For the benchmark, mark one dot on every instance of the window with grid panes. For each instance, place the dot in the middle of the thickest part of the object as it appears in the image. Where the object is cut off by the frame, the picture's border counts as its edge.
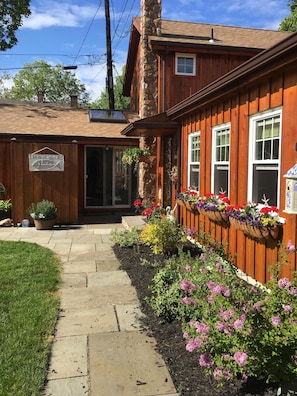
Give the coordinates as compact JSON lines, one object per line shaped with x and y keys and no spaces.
{"x":194,"y":161}
{"x":185,"y":64}
{"x":220,"y":159}
{"x":265,"y":132}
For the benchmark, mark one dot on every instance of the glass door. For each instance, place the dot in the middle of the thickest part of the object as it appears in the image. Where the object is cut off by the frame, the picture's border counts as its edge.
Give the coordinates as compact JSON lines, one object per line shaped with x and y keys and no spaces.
{"x":108,"y":180}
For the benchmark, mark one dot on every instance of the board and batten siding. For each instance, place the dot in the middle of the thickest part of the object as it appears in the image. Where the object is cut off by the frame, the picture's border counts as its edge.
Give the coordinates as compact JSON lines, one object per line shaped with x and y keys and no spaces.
{"x":25,"y":187}
{"x":279,"y":90}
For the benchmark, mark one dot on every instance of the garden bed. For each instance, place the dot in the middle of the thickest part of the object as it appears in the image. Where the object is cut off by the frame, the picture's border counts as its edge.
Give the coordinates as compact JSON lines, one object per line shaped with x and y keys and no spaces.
{"x":186,"y":373}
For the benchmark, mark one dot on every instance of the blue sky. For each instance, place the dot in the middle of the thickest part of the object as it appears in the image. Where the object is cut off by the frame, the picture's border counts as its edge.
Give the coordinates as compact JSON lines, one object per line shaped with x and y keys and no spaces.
{"x":72,"y":32}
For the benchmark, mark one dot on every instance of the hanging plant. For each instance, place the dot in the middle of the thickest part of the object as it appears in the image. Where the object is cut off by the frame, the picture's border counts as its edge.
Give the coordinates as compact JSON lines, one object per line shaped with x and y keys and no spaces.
{"x":134,"y":155}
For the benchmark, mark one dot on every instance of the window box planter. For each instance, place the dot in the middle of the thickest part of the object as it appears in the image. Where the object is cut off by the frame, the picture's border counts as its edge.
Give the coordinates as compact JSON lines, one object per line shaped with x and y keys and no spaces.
{"x":216,"y":216}
{"x":265,"y":235}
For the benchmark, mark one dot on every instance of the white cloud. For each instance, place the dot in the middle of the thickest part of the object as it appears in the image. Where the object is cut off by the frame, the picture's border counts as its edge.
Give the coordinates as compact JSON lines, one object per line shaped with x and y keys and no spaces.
{"x":63,"y":14}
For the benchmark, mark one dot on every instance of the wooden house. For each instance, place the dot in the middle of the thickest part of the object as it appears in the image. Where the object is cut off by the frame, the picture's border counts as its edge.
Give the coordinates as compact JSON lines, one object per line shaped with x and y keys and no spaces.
{"x":242,"y":129}
{"x":69,"y":155}
{"x":167,"y":62}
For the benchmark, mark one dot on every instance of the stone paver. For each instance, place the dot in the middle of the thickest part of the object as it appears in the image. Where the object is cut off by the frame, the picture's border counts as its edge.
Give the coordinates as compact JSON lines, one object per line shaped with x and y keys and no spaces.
{"x":135,"y":368}
{"x":77,"y":386}
{"x":93,"y":297}
{"x":69,"y":357}
{"x":88,"y":321}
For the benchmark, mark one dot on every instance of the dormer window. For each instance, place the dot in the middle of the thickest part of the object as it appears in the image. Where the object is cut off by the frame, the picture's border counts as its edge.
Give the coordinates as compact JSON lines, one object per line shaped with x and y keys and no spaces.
{"x":185,"y":64}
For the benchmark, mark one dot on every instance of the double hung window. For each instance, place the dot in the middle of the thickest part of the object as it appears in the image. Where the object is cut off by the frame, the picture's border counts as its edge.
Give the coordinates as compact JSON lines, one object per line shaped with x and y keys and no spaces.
{"x":194,"y":161}
{"x":264,"y":157}
{"x":220,"y":158}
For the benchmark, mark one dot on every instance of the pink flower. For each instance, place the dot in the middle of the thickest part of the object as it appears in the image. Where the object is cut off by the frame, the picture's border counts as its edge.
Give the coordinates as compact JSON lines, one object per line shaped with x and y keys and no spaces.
{"x":239,"y":323}
{"x":202,"y":328}
{"x":218,"y":373}
{"x":205,"y":360}
{"x":240,"y":358}
{"x":193,"y":344}
{"x":187,"y":286}
{"x":284,"y":283}
{"x":287,"y":308}
{"x":188,"y":268}
{"x":276,"y":320}
{"x":290,"y":248}
{"x":220,"y":326}
{"x":257,"y":305}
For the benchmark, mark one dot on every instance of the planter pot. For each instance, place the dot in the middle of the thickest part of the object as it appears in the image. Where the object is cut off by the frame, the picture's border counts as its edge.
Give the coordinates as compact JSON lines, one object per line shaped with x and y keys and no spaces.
{"x":287,"y":389}
{"x":5,"y":214}
{"x":181,"y":203}
{"x":45,"y":224}
{"x":266,"y":235}
{"x":189,"y":206}
{"x":216,"y":216}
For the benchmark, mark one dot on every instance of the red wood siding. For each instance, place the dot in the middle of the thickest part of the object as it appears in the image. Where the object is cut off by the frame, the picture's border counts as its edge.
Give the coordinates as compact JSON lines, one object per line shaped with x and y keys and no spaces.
{"x":59,"y":187}
{"x":209,"y":67}
{"x":277,"y":90}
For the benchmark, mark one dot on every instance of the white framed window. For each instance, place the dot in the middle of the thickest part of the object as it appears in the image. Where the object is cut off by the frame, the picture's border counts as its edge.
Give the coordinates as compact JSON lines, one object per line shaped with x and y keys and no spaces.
{"x":264,"y":157}
{"x":220,"y":158}
{"x":194,"y":160}
{"x":185,"y":64}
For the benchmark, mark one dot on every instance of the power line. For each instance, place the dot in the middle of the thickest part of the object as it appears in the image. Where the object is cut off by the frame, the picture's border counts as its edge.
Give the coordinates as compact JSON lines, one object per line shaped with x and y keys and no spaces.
{"x":89,"y":28}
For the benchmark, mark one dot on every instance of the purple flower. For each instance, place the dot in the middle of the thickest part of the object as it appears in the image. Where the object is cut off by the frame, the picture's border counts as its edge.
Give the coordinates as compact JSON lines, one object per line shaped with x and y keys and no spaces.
{"x":187,"y":300}
{"x":287,"y":308}
{"x":239,"y":323}
{"x":187,"y":286}
{"x":193,"y":344}
{"x":220,"y":326}
{"x":202,"y":328}
{"x":276,"y":320}
{"x":226,"y":315}
{"x":257,"y":305}
{"x":290,"y":248}
{"x":205,"y":360}
{"x":186,"y":335}
{"x":240,"y":358}
{"x":284,"y":283}
{"x":218,"y":373}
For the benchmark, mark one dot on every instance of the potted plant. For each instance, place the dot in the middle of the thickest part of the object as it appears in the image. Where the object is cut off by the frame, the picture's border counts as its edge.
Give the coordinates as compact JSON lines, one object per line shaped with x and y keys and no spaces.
{"x":5,"y":204}
{"x":134,"y":155}
{"x":43,"y":213}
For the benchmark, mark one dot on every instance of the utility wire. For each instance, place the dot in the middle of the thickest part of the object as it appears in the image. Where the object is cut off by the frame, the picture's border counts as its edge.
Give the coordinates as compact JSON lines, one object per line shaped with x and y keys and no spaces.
{"x":84,"y":39}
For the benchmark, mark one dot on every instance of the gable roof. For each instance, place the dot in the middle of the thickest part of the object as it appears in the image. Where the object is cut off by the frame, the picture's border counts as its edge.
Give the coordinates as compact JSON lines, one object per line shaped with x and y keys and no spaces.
{"x":200,"y":34}
{"x":42,"y":119}
{"x":191,"y":35}
{"x":266,"y":62}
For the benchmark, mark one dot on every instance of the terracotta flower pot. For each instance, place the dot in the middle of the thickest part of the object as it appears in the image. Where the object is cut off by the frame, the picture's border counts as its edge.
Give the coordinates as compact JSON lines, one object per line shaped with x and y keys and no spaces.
{"x":44,"y":224}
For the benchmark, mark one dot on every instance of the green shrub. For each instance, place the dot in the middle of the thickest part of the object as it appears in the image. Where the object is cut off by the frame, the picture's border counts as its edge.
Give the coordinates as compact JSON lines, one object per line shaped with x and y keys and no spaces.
{"x":162,"y":235}
{"x":125,"y":238}
{"x":167,"y":298}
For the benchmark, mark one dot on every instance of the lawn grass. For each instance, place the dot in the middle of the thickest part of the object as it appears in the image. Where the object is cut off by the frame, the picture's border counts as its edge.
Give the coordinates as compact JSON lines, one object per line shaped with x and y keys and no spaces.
{"x":30,"y":278}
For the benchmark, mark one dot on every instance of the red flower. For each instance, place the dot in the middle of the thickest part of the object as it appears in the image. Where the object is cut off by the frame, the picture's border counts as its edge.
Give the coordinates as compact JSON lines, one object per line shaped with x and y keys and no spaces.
{"x":138,"y":203}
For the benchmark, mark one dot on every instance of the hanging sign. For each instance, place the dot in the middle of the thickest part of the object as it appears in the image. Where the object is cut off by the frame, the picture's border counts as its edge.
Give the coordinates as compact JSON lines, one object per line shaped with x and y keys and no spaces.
{"x":46,"y":162}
